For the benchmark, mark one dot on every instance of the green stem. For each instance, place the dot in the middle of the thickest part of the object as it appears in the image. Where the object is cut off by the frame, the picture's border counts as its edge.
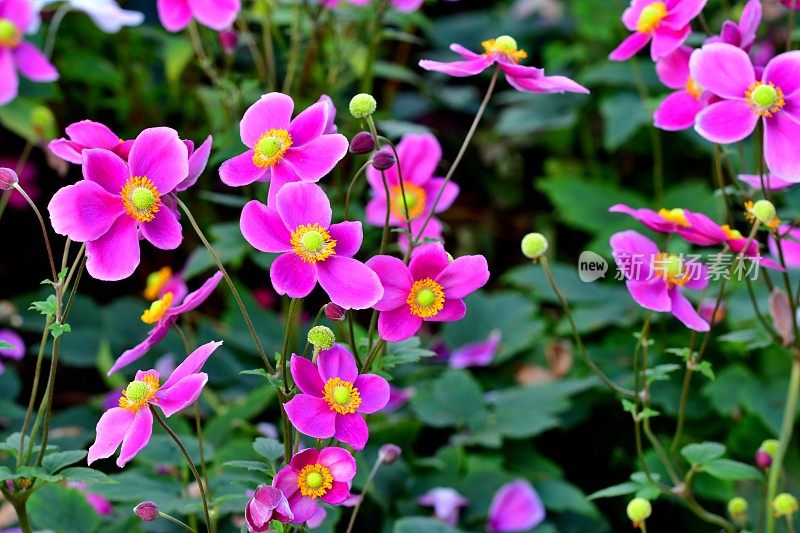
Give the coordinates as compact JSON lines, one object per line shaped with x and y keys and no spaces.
{"x":350,"y":188}
{"x":34,"y":389}
{"x":294,"y":52}
{"x":43,"y":227}
{"x":316,"y":320}
{"x":655,"y":138}
{"x":374,"y":46}
{"x":352,"y":332}
{"x":22,"y":514}
{"x":174,"y":520}
{"x":711,"y":518}
{"x":364,"y":489}
{"x":291,"y":317}
{"x":373,"y":353}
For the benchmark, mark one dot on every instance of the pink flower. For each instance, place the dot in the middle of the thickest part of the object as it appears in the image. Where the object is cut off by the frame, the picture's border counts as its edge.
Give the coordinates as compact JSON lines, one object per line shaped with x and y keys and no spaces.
{"x":666,"y":23}
{"x":314,"y":475}
{"x":419,"y":156}
{"x":282,"y":150}
{"x":100,"y":505}
{"x":267,"y":504}
{"x":163,"y":281}
{"x":477,"y":353}
{"x":131,"y":424}
{"x":117,"y":200}
{"x":792,"y":4}
{"x":504,"y":53}
{"x":515,"y":507}
{"x":654,"y":279}
{"x":27,"y":180}
{"x":298,"y":226}
{"x":334,"y":397}
{"x":743,"y":33}
{"x":678,"y":110}
{"x":17,"y":350}
{"x":164,"y":313}
{"x":88,"y":134}
{"x":727,"y":72}
{"x":16,"y":17}
{"x":445,"y":502}
{"x":218,"y":15}
{"x":198,"y":159}
{"x":398,"y":397}
{"x":772,"y":183}
{"x":431,"y":288}
{"x":790,"y":243}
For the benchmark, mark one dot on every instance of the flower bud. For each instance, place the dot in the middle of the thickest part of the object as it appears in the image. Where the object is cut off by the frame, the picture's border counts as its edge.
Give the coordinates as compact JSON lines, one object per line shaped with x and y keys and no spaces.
{"x":639,"y":510}
{"x":737,"y":508}
{"x":321,"y":337}
{"x":383,"y":160}
{"x":763,"y":459}
{"x":764,"y":211}
{"x":389,"y":453}
{"x":362,"y":143}
{"x":8,"y":178}
{"x":147,"y":511}
{"x":770,"y":446}
{"x":363,"y":105}
{"x":784,"y":504}
{"x":228,"y":39}
{"x":43,"y":122}
{"x":334,"y":312}
{"x":534,"y":245}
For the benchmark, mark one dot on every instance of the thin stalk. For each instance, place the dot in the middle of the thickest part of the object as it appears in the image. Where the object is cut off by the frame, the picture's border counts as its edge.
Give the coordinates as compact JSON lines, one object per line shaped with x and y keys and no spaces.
{"x":352,"y":332}
{"x":294,"y":52}
{"x":374,"y":46}
{"x":250,"y":327}
{"x":189,"y":461}
{"x":174,"y":520}
{"x":789,"y":519}
{"x":316,"y":320}
{"x":365,"y":488}
{"x":655,"y":138}
{"x":34,"y":389}
{"x":294,"y":305}
{"x":200,"y":447}
{"x":372,"y":355}
{"x":52,"y":31}
{"x":350,"y":188}
{"x":43,"y":226}
{"x":249,"y":42}
{"x":711,"y":518}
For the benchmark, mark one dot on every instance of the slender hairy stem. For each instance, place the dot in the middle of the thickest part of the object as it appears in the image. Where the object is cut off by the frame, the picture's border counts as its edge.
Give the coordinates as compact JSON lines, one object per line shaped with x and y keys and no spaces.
{"x":372,"y":355}
{"x":198,"y":423}
{"x":352,"y":332}
{"x":291,"y":317}
{"x":350,"y":188}
{"x":364,"y":489}
{"x":43,"y":226}
{"x":250,"y":327}
{"x":34,"y":389}
{"x":52,"y":31}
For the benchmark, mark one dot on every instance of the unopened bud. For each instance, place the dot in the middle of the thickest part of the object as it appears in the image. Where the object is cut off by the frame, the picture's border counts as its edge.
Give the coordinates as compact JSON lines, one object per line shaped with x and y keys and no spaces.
{"x":383,"y":160}
{"x":334,"y":312}
{"x":147,"y":511}
{"x":389,"y":453}
{"x":770,"y":446}
{"x":763,"y":459}
{"x":8,"y":178}
{"x":229,"y":39}
{"x":737,"y":507}
{"x":363,"y":105}
{"x":784,"y":504}
{"x":43,"y":122}
{"x":639,"y":510}
{"x":362,"y":143}
{"x":321,"y":337}
{"x":534,"y":245}
{"x":765,"y":212}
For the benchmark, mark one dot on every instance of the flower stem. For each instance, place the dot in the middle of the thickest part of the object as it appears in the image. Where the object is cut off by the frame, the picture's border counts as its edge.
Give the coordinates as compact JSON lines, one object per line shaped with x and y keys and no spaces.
{"x":43,"y":226}
{"x":34,"y":389}
{"x":364,"y":489}
{"x":189,"y":461}
{"x":250,"y":327}
{"x":294,"y":51}
{"x":375,"y":43}
{"x":373,"y":353}
{"x":174,"y":520}
{"x":352,"y":331}
{"x":291,"y":316}
{"x":350,"y":188}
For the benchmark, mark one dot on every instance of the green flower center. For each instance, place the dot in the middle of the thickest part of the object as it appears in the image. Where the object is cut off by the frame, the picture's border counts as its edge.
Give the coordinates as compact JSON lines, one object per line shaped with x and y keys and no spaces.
{"x":765,"y":96}
{"x":269,"y":146}
{"x":341,"y":395}
{"x":312,"y":241}
{"x":651,"y":16}
{"x":143,"y":198}
{"x":8,"y":33}
{"x":426,"y":297}
{"x":314,"y":480}
{"x":137,"y":391}
{"x":506,"y":43}
{"x":672,"y":265}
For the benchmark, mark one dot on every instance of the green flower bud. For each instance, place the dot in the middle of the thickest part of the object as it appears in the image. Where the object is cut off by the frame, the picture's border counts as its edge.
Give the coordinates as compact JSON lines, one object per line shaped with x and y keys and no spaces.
{"x":534,"y":245}
{"x":784,"y":504}
{"x":639,"y":510}
{"x":770,"y":446}
{"x":363,"y":105}
{"x":43,"y":122}
{"x":737,"y":507}
{"x":321,"y":337}
{"x":764,"y":211}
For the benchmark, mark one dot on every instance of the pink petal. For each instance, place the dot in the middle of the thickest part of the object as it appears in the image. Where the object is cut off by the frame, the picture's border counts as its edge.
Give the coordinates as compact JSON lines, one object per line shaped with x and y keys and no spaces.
{"x":677,"y":112}
{"x":337,"y":362}
{"x":286,"y":481}
{"x":348,"y":237}
{"x":216,"y":14}
{"x":428,"y":261}
{"x":781,"y":134}
{"x":631,"y":14}
{"x":306,"y":376}
{"x":137,"y":436}
{"x":271,"y":111}
{"x":197,"y":164}
{"x":263,"y":228}
{"x":514,"y":70}
{"x":106,"y":169}
{"x":192,"y":364}
{"x":684,"y":311}
{"x":339,"y":461}
{"x":164,"y":231}
{"x":463,"y":276}
{"x":115,"y":254}
{"x":773,"y":183}
{"x":784,"y":72}
{"x":651,"y":294}
{"x":153,"y":337}
{"x":459,"y":69}
{"x":69,"y":151}
{"x":449,"y":195}
{"x":374,"y":393}
{"x":311,"y":416}
{"x":723,"y":69}
{"x":304,"y":458}
{"x":182,"y":393}
{"x":376,"y":212}
{"x":452,"y":311}
{"x":159,"y":154}
{"x":632,"y":252}
{"x":464,"y":52}
{"x":84,"y":211}
{"x":337,"y":494}
{"x":111,"y":428}
{"x":395,"y":278}
{"x":398,"y":324}
{"x":278,"y":176}
{"x":477,"y":353}
{"x":726,"y":122}
{"x":419,"y":155}
{"x":682,"y":12}
{"x":349,"y":283}
{"x":309,"y":124}
{"x":673,"y":70}
{"x":629,"y":47}
{"x":175,"y":15}
{"x":666,"y":40}
{"x":240,"y":170}
{"x":20,"y":12}
{"x":303,"y":508}
{"x":315,"y":159}
{"x":547,"y":85}
{"x":515,"y":507}
{"x":33,"y":64}
{"x":352,"y":429}
{"x":292,"y":276}
{"x":9,"y":82}
{"x":303,"y":203}
{"x":196,"y":297}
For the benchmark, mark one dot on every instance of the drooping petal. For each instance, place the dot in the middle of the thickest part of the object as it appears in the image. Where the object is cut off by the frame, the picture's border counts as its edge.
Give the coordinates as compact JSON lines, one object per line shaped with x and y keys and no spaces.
{"x":303,"y":508}
{"x":33,"y":64}
{"x":311,"y":416}
{"x":182,"y":393}
{"x":781,"y":134}
{"x":309,"y":124}
{"x":374,"y":393}
{"x":349,"y":283}
{"x":673,"y":70}
{"x":111,"y":428}
{"x":629,"y":47}
{"x":216,"y":14}
{"x":632,"y":252}
{"x":303,"y":203}
{"x":84,"y":211}
{"x":160,"y":155}
{"x":192,"y":364}
{"x":348,"y":237}
{"x":428,"y":261}
{"x":398,"y":324}
{"x":263,"y":228}
{"x":723,"y":69}
{"x":137,"y":436}
{"x":337,"y":362}
{"x":69,"y":151}
{"x":463,"y":276}
{"x":154,"y":336}
{"x":477,"y":353}
{"x":449,"y":195}
{"x":306,"y":376}
{"x":773,"y":183}
{"x":292,"y":276}
{"x":684,"y":311}
{"x":726,"y":122}
{"x":515,"y":507}
{"x":352,"y":429}
{"x":464,"y":52}
{"x":459,"y":69}
{"x":395,"y":278}
{"x":316,"y":158}
{"x":677,"y":112}
{"x":9,"y":81}
{"x":175,"y":15}
{"x":115,"y":254}
{"x":339,"y":461}
{"x":547,"y":85}
{"x":164,"y":231}
{"x":271,"y":111}
{"x":648,"y":217}
{"x":286,"y":481}
{"x":240,"y":170}
{"x":105,"y":168}
{"x":196,"y":297}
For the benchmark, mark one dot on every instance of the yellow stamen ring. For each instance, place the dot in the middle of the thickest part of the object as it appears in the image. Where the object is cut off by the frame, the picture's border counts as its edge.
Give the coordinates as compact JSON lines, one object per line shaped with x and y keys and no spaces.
{"x":765,"y":99}
{"x":271,"y":147}
{"x":139,"y":393}
{"x":651,"y":16}
{"x":504,"y":45}
{"x":156,"y":282}
{"x":415,"y":201}
{"x":426,"y":298}
{"x":313,"y":243}
{"x":141,"y":198}
{"x":314,"y":480}
{"x":341,"y":396}
{"x":157,"y":309}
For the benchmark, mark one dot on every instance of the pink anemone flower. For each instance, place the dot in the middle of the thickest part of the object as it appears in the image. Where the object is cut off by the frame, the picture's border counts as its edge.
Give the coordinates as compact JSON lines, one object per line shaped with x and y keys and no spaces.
{"x":503,"y":52}
{"x":666,"y":23}
{"x":16,"y":17}
{"x":218,"y":15}
{"x":164,"y":312}
{"x":431,"y":288}
{"x":516,"y":507}
{"x":164,"y":281}
{"x":476,"y":353}
{"x":727,"y":72}
{"x":678,"y":110}
{"x":117,"y":200}
{"x":419,"y":156}
{"x":298,"y":226}
{"x":446,"y":503}
{"x":314,"y":475}
{"x":17,"y":350}
{"x":88,"y":134}
{"x":266,"y":505}
{"x":790,"y":243}
{"x":334,"y":397}
{"x":654,"y":279}
{"x":282,"y":150}
{"x":771,"y":182}
{"x":131,"y":423}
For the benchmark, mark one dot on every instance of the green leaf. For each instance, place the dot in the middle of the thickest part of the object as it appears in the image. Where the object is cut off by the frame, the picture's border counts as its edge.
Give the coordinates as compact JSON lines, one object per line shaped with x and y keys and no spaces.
{"x":256,"y":372}
{"x":454,"y":399}
{"x":56,"y":461}
{"x":701,"y":454}
{"x":257,"y":466}
{"x":5,"y":473}
{"x":57,"y":329}
{"x":62,"y":510}
{"x":269,"y":448}
{"x":623,"y":115}
{"x":45,"y":307}
{"x":81,"y":474}
{"x":416,"y":524}
{"x":704,"y":367}
{"x":629,"y":487}
{"x":37,"y":472}
{"x":731,"y":470}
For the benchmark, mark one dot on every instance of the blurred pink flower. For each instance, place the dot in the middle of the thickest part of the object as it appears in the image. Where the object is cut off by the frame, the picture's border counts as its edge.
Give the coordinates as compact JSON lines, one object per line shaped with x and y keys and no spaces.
{"x":88,"y":134}
{"x":218,"y":15}
{"x":446,"y":503}
{"x":477,"y":353}
{"x":17,"y":350}
{"x":267,"y":504}
{"x":516,"y":507}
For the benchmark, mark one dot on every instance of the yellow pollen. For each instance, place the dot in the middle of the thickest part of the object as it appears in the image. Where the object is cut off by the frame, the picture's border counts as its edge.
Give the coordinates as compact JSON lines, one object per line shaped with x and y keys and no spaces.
{"x":426,"y":298}
{"x":141,"y":198}
{"x":504,"y":45}
{"x":415,"y":201}
{"x":139,"y":393}
{"x":670,"y":268}
{"x":157,"y":309}
{"x":341,"y":396}
{"x":651,"y":16}
{"x":694,"y":88}
{"x":313,"y":243}
{"x":9,"y":34}
{"x":676,"y":216}
{"x":314,"y":480}
{"x":156,"y":282}
{"x":731,"y":233}
{"x":765,"y":99}
{"x":271,"y":147}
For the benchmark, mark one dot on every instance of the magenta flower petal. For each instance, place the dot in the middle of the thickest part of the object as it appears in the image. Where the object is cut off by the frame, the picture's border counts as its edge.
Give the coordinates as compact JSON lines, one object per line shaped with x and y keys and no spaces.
{"x":398,"y":324}
{"x":352,"y":429}
{"x":111,"y":428}
{"x":306,"y":376}
{"x":338,"y":493}
{"x":630,"y":244}
{"x":197,"y":164}
{"x":20,"y":12}
{"x":463,"y":276}
{"x":137,"y":436}
{"x":445,"y":502}
{"x":428,"y":261}
{"x":684,"y":311}
{"x":723,"y":69}
{"x":464,"y":52}
{"x":175,"y":15}
{"x":303,"y":203}
{"x":420,"y":154}
{"x":192,"y":364}
{"x":309,"y":456}
{"x":263,"y":228}
{"x":781,"y":134}
{"x":196,"y":297}
{"x":159,"y":154}
{"x":337,"y":362}
{"x":349,"y":283}
{"x":452,"y":311}
{"x":459,"y":69}
{"x":114,"y":255}
{"x":376,"y":210}
{"x":33,"y":64}
{"x":69,"y":151}
{"x":773,"y":183}
{"x":240,"y":170}
{"x":339,"y":461}
{"x":374,"y":392}
{"x":673,"y":70}
{"x":131,"y":355}
{"x":677,"y":112}
{"x":303,"y":509}
{"x":309,"y":124}
{"x":666,"y":40}
{"x":396,"y":281}
{"x":18,"y":345}
{"x":648,"y":217}
{"x":281,"y":174}
{"x":725,"y":122}
{"x":164,"y":231}
{"x":84,"y":211}
{"x":629,"y":47}
{"x":9,"y":81}
{"x":784,"y":72}
{"x":449,"y":195}
{"x":317,"y":158}
{"x":477,"y":353}
{"x":547,"y":85}
{"x":515,"y":507}
{"x":215,"y":14}
{"x":271,"y":111}
{"x":292,"y":276}
{"x":106,"y":169}
{"x":348,"y":237}
{"x":312,"y":416}
{"x":681,"y":12}
{"x":181,"y":393}
{"x":286,"y":481}
{"x":651,"y":294}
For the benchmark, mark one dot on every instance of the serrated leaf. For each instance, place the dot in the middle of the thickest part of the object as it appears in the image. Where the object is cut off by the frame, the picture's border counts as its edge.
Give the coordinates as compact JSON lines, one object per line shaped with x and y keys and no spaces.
{"x":56,"y":461}
{"x":702,"y":453}
{"x":704,"y":367}
{"x":45,"y":307}
{"x":269,"y":448}
{"x":57,"y":329}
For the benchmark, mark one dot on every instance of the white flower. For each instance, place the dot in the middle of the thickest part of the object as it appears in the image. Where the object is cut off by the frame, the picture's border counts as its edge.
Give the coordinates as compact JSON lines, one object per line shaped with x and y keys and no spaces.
{"x":106,"y":14}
